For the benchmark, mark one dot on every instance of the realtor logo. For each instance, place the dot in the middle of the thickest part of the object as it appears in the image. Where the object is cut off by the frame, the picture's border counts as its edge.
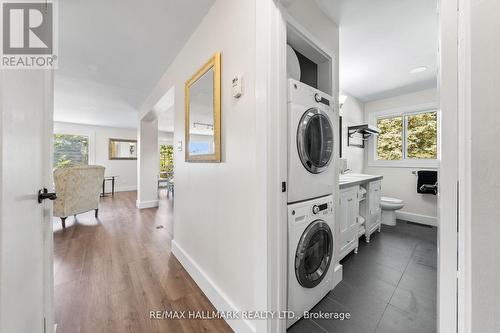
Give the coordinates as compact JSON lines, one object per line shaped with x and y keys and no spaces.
{"x":28,"y":32}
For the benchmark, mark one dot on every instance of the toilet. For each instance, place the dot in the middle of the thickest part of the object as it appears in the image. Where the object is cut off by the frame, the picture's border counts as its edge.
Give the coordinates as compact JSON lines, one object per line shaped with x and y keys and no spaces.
{"x":389,"y":207}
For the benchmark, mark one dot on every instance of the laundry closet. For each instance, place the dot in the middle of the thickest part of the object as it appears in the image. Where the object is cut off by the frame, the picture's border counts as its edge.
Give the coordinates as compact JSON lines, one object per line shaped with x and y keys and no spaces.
{"x":312,"y":172}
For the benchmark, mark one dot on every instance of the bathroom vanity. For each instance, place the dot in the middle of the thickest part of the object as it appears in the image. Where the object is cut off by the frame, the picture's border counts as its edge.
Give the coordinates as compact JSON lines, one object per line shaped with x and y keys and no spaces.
{"x":360,"y":212}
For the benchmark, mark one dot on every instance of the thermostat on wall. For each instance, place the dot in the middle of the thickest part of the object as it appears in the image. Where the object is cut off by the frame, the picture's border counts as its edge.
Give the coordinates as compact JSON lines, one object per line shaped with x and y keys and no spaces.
{"x":237,"y":86}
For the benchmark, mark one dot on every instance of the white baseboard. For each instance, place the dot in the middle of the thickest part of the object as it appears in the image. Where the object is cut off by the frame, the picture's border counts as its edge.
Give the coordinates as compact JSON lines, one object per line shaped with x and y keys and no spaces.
{"x":146,"y":204}
{"x":220,"y":301}
{"x":417,"y":218}
{"x":126,"y":188}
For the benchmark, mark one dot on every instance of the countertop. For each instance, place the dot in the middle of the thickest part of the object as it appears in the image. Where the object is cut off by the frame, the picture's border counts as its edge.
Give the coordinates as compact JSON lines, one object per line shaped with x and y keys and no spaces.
{"x":353,"y":179}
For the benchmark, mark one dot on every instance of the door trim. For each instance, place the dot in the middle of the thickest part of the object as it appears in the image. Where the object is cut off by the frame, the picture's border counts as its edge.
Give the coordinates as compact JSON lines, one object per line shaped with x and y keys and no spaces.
{"x":272,"y":100}
{"x":448,"y":205}
{"x":271,"y":104}
{"x":464,"y":168}
{"x":48,"y":205}
{"x":448,"y":250}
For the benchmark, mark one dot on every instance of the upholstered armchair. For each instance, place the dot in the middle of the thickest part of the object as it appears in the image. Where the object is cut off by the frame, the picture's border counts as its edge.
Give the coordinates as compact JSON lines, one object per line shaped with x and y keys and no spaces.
{"x":78,"y":190}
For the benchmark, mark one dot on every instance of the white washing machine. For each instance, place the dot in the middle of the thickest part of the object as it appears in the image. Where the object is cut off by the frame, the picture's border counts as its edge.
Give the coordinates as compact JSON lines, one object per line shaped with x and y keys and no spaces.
{"x":311,"y":149}
{"x":310,"y":254}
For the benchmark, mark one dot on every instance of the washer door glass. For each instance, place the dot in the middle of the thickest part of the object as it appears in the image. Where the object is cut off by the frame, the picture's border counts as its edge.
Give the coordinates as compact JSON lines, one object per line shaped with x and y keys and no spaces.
{"x":314,"y":254}
{"x":315,"y":140}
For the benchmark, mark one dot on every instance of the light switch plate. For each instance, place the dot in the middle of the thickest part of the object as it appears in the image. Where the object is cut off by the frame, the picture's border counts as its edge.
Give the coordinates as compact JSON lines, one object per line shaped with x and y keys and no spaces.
{"x":237,"y":88}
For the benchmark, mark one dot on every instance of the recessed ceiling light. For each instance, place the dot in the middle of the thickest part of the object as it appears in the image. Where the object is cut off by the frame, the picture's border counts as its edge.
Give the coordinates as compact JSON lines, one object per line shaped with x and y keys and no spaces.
{"x":418,"y":70}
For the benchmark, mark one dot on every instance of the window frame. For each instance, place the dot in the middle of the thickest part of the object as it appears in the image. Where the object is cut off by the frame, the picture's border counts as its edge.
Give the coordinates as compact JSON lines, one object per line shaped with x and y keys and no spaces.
{"x":404,"y":112}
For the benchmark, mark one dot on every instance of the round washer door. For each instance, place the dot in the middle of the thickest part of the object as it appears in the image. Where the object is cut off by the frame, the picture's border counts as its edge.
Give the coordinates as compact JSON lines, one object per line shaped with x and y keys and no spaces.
{"x":314,"y":254}
{"x":315,"y":140}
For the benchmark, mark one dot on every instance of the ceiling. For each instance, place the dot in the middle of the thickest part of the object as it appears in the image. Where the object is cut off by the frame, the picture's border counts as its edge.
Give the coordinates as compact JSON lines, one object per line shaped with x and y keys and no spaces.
{"x":381,"y":42}
{"x":112,"y":53}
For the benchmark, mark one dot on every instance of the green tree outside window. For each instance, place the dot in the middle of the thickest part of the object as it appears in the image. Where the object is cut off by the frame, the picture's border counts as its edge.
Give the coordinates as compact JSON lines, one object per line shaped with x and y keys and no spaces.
{"x":70,"y":150}
{"x":390,"y":139}
{"x":167,"y":160}
{"x":412,"y":136}
{"x":422,"y":136}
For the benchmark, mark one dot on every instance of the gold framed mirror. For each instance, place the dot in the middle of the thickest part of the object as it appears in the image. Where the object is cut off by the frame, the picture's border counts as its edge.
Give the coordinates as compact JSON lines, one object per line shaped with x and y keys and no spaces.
{"x":203,"y":113}
{"x":122,"y":149}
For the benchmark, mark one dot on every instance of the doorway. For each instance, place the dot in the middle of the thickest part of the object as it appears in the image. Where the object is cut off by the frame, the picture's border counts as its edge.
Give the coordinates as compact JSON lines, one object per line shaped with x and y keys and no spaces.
{"x":441,"y":234}
{"x":166,"y":182}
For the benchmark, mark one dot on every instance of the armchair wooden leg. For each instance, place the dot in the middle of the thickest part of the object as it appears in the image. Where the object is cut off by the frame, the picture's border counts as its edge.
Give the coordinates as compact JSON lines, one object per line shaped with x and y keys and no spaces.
{"x":96,"y":212}
{"x":63,"y":221}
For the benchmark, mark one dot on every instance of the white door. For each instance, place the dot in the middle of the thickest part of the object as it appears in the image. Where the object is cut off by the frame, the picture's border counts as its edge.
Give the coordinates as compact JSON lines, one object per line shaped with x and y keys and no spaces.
{"x":374,"y":197}
{"x":349,"y":210}
{"x":26,"y":277}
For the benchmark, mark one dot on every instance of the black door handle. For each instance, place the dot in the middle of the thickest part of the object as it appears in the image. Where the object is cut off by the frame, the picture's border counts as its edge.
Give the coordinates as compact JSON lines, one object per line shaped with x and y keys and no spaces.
{"x":44,"y":194}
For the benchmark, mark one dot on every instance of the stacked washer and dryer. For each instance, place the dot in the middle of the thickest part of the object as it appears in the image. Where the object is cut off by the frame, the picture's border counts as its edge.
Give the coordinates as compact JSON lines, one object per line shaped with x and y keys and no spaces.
{"x":311,"y":176}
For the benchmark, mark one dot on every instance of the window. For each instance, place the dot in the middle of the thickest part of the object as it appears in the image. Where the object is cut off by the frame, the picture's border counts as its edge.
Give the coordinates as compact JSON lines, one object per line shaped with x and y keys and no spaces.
{"x":421,"y":135}
{"x":409,"y":137}
{"x":390,"y":139}
{"x":70,"y":150}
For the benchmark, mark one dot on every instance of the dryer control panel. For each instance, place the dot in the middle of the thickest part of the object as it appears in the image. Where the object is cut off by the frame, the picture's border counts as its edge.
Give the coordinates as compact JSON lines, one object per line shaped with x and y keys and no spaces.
{"x":318,"y":98}
{"x":304,"y":95}
{"x":306,"y":211}
{"x":319,"y":208}
{"x":322,"y":208}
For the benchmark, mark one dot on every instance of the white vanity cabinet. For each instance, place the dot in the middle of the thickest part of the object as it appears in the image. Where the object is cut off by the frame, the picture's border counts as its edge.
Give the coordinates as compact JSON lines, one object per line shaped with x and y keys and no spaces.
{"x":349,"y":227}
{"x":370,"y":209}
{"x":360,"y":213}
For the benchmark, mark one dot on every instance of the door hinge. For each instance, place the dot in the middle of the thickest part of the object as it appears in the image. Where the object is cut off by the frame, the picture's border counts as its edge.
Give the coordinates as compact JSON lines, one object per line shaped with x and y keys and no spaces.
{"x":283,"y":186}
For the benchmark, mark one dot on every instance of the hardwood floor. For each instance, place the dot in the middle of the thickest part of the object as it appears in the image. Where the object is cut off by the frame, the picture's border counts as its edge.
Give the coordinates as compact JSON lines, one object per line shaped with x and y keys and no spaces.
{"x":111,"y":272}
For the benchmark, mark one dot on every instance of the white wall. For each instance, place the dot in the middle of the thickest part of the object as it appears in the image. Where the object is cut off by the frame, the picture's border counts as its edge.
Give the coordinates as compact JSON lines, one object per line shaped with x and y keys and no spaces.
{"x":99,"y":136}
{"x":485,"y":161}
{"x":313,"y":19}
{"x":400,"y":182}
{"x":353,"y":113}
{"x":148,"y":167}
{"x":166,"y":138}
{"x":216,"y":203}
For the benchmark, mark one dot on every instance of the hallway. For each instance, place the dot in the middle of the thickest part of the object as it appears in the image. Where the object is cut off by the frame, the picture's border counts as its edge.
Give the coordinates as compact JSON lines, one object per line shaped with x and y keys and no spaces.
{"x":111,"y":272}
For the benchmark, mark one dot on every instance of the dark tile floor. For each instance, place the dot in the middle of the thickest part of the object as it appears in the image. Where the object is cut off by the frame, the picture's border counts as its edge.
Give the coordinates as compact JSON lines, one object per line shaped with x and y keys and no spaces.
{"x":388,"y":287}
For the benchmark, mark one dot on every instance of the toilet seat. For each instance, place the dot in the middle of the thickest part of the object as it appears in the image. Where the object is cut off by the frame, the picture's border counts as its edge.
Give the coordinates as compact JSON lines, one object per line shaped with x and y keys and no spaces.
{"x":391,"y":200}
{"x":388,"y":203}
